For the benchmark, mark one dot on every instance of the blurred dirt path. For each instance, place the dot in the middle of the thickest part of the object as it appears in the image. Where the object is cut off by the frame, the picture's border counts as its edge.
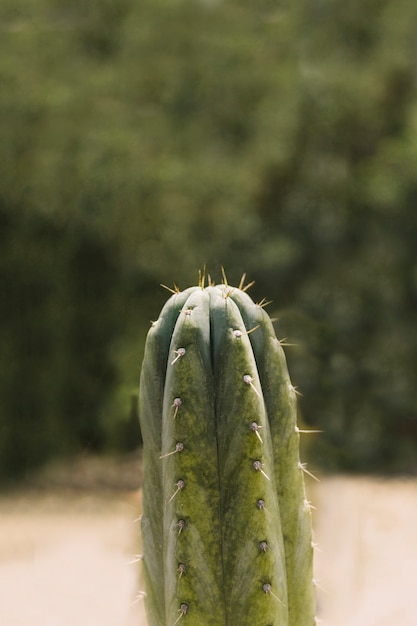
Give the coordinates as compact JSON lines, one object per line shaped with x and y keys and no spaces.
{"x":367,"y":533}
{"x":65,"y":560}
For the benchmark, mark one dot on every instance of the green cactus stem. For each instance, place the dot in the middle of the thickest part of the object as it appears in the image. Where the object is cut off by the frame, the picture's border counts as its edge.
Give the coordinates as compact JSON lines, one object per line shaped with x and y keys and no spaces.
{"x":226,"y":527}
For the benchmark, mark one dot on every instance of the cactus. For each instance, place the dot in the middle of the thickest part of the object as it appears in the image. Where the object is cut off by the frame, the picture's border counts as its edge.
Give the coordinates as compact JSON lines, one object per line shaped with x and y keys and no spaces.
{"x":226,"y":527}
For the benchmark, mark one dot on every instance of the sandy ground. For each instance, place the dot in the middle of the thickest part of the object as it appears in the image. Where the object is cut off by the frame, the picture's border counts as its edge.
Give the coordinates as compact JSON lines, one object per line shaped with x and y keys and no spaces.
{"x":66,"y":559}
{"x":367,"y":566}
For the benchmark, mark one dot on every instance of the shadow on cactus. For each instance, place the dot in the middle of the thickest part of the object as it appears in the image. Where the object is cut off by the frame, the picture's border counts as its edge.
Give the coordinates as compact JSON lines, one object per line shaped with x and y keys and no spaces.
{"x":226,"y":527}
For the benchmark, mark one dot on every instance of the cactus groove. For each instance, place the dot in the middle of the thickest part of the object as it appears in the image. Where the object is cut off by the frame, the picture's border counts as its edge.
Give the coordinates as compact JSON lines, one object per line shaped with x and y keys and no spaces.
{"x":226,"y":527}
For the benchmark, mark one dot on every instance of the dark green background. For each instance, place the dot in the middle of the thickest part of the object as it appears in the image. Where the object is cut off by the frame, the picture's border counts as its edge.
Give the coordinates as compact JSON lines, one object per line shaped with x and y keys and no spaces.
{"x":142,"y":140}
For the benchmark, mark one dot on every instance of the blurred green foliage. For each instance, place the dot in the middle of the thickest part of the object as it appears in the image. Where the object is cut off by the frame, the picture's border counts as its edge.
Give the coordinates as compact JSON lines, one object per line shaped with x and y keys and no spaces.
{"x":140,"y":141}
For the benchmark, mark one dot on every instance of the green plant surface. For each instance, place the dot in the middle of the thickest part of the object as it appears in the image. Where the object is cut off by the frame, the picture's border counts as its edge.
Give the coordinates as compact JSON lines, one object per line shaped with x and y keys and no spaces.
{"x":226,"y":524}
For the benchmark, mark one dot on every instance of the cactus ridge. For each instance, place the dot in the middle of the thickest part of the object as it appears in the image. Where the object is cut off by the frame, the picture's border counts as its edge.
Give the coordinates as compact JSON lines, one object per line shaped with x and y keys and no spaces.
{"x":226,"y":526}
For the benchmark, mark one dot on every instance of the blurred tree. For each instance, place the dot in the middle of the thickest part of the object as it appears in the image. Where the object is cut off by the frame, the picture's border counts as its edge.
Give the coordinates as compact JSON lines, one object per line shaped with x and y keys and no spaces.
{"x":151,"y":138}
{"x":61,"y":290}
{"x":345,"y":257}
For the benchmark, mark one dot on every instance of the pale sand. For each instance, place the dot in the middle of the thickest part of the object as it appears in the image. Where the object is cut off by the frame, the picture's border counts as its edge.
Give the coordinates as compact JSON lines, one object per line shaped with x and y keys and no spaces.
{"x":65,"y":560}
{"x":367,"y":532}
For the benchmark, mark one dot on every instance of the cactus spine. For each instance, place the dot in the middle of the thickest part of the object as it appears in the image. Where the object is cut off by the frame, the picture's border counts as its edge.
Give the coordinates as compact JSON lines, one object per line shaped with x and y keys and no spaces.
{"x":226,"y":526}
